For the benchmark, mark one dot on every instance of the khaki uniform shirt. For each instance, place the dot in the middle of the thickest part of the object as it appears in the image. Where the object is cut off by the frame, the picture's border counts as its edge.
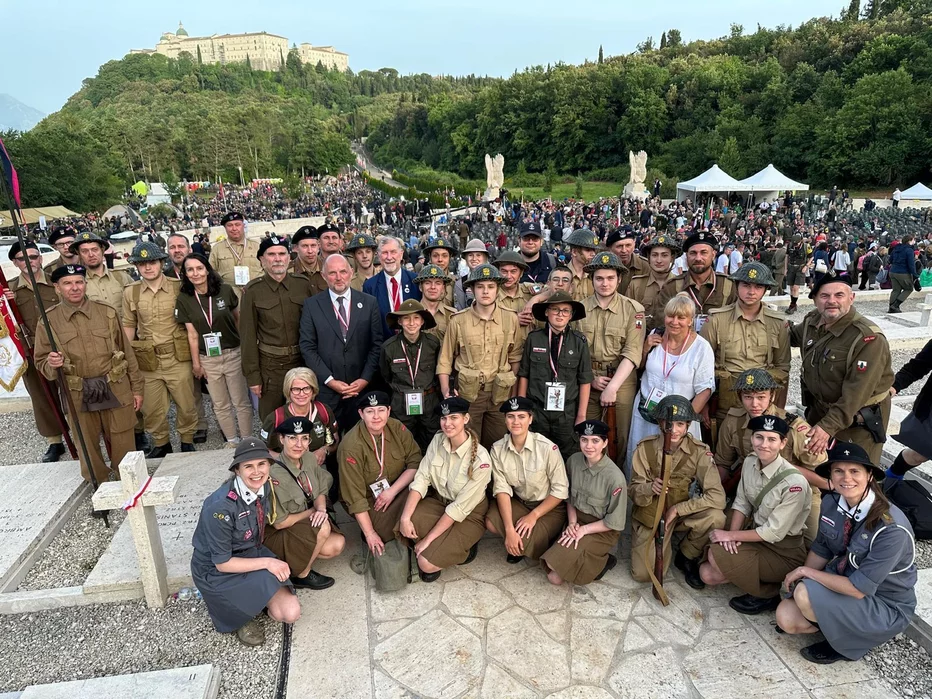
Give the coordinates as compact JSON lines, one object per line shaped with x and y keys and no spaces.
{"x":488,"y":347}
{"x":691,"y":461}
{"x":312,"y":274}
{"x":638,"y":265}
{"x":359,"y":468}
{"x":530,"y":474}
{"x":741,"y":344}
{"x":154,"y":317}
{"x":580,"y":286}
{"x":784,"y":510}
{"x":25,"y":299}
{"x":269,"y":317}
{"x":358,"y":280}
{"x":459,"y":482}
{"x":598,"y":490}
{"x":524,"y":293}
{"x":715,"y":293}
{"x":226,"y":255}
{"x":614,"y":333}
{"x":107,"y":287}
{"x":834,"y":390}
{"x":442,"y":318}
{"x":290,"y":497}
{"x":645,"y":289}
{"x":55,"y":264}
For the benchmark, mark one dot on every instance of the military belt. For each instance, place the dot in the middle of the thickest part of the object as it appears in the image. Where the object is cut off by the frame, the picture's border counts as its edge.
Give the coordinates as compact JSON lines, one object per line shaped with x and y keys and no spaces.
{"x":165,"y":349}
{"x":289,"y":351}
{"x":604,"y":366}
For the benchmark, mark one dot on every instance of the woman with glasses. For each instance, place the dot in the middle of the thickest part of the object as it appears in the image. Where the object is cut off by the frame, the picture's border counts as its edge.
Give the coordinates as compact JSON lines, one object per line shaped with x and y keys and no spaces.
{"x":301,"y":389}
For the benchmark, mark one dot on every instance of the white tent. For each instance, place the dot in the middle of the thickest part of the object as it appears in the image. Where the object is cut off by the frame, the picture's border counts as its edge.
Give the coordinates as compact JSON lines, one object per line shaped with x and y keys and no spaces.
{"x":772,"y":180}
{"x":713,"y":180}
{"x":917,"y":192}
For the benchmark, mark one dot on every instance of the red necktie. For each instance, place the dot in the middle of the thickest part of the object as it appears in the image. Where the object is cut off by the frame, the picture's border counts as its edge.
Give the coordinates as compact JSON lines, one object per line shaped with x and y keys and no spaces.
{"x":396,"y":296}
{"x":846,"y":539}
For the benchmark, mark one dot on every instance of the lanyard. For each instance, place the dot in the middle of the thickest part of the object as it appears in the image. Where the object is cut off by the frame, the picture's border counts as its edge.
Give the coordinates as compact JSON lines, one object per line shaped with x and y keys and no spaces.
{"x":559,"y":349}
{"x":379,"y":457}
{"x":209,"y":315}
{"x":708,"y":296}
{"x":237,"y":257}
{"x":685,"y":347}
{"x":417,"y":362}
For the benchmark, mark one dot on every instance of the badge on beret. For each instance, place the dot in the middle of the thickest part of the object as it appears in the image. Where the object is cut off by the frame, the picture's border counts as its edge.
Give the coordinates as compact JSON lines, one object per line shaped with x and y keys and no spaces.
{"x":71,"y":269}
{"x":514,"y":404}
{"x":589,"y":431}
{"x":445,"y":410}
{"x":373,"y":400}
{"x":769,"y":424}
{"x":298,"y":429}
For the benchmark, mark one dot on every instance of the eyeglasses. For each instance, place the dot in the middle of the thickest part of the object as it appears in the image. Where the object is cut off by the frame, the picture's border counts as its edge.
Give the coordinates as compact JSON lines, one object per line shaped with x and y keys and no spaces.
{"x":300,"y":438}
{"x":561,"y":311}
{"x":302,"y":389}
{"x":31,"y":257}
{"x":64,"y":245}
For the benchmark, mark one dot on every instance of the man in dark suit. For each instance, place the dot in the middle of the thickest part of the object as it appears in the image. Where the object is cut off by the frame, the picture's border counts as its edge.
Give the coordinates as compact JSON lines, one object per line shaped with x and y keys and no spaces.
{"x":341,"y":337}
{"x":393,"y":285}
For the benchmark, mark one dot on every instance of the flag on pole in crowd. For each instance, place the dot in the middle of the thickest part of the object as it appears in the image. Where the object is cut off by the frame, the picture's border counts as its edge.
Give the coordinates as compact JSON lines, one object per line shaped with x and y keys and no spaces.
{"x":619,"y":212}
{"x":708,"y":213}
{"x":12,"y":355}
{"x":9,"y":172}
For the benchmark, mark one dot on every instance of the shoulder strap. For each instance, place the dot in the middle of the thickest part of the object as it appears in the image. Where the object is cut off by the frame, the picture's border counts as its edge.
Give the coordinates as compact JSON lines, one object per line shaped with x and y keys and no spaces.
{"x":778,"y":478}
{"x":137,"y":292}
{"x":322,"y":411}
{"x":279,"y":416}
{"x":875,"y":330}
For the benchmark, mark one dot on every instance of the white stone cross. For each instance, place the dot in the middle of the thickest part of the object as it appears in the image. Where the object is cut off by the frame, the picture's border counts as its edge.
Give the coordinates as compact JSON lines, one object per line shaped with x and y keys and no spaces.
{"x":145,"y":528}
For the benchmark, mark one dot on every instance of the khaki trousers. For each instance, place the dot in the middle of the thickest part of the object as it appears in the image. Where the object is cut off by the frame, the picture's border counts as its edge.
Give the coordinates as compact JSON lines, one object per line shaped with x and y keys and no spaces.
{"x":117,"y":428}
{"x":624,"y":406}
{"x":42,"y":410}
{"x":697,"y":526}
{"x":172,"y":382}
{"x":228,"y":392}
{"x":486,"y":420}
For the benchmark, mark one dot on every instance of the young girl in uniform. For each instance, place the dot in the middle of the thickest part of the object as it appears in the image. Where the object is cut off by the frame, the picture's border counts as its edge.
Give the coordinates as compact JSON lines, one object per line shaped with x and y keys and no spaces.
{"x":595,"y":511}
{"x":444,"y":515}
{"x":857,"y":583}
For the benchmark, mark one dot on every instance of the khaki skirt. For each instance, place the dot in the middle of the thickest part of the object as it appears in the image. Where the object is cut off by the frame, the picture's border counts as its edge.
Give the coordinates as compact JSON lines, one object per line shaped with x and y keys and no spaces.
{"x":385,"y":523}
{"x":580,"y":566}
{"x":545,"y":532}
{"x":760,"y":567}
{"x":452,"y":547}
{"x":295,"y":545}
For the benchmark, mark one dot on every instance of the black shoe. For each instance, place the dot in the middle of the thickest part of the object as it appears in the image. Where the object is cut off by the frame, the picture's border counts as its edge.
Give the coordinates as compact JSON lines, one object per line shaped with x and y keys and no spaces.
{"x":428,"y":577}
{"x":791,"y":309}
{"x":690,"y":568}
{"x":159,"y":452}
{"x":893,"y":309}
{"x":609,"y":564}
{"x":187,"y":446}
{"x":142,"y":442}
{"x":53,"y":453}
{"x":313,"y":581}
{"x":513,"y":559}
{"x":200,"y":436}
{"x":99,"y":514}
{"x":473,"y":552}
{"x":776,"y":627}
{"x":822,"y":653}
{"x":749,"y":604}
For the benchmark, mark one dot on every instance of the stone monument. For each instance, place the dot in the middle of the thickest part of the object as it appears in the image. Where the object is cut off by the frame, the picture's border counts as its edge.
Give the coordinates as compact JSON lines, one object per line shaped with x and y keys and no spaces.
{"x":494,"y":176}
{"x":635,"y":188}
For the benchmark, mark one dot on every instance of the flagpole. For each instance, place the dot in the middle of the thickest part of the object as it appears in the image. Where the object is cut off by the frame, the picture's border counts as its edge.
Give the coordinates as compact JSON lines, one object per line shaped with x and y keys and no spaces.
{"x":7,"y":188}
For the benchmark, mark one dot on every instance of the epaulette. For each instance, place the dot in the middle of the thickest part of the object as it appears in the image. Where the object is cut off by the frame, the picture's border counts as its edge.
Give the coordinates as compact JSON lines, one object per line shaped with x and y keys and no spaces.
{"x":737,"y":411}
{"x":579,"y":335}
{"x":727,"y":307}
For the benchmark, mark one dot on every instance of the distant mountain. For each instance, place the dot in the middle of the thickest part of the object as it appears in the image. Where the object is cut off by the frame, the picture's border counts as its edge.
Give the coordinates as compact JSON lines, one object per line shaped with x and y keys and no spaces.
{"x":16,"y":115}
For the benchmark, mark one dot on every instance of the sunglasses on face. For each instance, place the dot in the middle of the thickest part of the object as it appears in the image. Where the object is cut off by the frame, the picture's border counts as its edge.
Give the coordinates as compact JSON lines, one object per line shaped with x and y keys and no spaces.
{"x":31,"y":257}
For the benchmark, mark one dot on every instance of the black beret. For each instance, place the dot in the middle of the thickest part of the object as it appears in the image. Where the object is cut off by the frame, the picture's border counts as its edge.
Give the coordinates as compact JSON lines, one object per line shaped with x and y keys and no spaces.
{"x":769,"y":423}
{"x":232,"y":216}
{"x":829,"y":279}
{"x":373,"y":399}
{"x":68,"y":271}
{"x":453,"y":404}
{"x":517,"y":403}
{"x":271,"y":242}
{"x":592,"y":428}
{"x":16,"y":249}
{"x":295,"y":425}
{"x":304,"y":233}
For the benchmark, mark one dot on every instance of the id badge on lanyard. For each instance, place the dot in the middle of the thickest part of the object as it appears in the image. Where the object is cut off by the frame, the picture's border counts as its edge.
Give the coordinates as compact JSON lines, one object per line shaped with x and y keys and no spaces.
{"x":414,"y":403}
{"x":556,"y":390}
{"x":212,"y":344}
{"x":241,"y":275}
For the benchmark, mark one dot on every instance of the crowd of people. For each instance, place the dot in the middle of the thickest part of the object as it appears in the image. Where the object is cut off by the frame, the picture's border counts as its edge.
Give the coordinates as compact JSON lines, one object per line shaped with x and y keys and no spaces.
{"x":527,"y":383}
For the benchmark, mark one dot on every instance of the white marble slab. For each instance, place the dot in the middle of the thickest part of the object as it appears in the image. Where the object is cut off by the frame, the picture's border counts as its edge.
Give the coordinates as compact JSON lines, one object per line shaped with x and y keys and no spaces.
{"x":195,"y":682}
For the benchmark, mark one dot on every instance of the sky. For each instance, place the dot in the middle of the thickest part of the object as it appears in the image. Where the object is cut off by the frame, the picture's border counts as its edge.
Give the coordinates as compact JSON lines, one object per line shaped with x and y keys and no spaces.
{"x":49,"y":47}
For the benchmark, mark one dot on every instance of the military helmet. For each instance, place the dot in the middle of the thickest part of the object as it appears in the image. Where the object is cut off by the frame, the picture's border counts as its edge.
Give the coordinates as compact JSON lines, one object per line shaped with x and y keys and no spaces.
{"x":510,"y":258}
{"x":484,"y":273}
{"x":664,"y":241}
{"x":753,"y":273}
{"x":147,"y":252}
{"x":86,"y":237}
{"x":361,"y":240}
{"x":604,"y":260}
{"x":432,"y":272}
{"x":753,"y":380}
{"x":673,"y":408}
{"x":440,"y":244}
{"x":582,"y":238}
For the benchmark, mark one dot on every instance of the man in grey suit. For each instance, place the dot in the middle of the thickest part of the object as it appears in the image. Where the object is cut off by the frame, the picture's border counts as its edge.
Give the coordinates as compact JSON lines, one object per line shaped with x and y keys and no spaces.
{"x":341,"y":337}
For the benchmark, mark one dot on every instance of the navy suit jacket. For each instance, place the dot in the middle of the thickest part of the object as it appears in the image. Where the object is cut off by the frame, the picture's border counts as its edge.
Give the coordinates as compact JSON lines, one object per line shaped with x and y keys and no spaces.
{"x":327,"y":354}
{"x":378,"y":286}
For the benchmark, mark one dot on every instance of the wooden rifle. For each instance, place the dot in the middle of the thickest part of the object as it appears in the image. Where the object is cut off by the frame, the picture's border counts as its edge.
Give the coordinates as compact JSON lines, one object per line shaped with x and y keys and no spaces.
{"x":658,"y":531}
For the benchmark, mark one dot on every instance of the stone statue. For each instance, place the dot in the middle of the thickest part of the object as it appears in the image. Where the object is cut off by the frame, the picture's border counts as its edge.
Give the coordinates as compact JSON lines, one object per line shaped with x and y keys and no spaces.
{"x":635,"y":188}
{"x":495,"y":176}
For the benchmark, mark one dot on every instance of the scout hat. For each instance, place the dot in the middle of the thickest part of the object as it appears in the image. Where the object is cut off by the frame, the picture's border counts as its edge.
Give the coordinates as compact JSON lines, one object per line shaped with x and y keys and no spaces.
{"x":373,"y":399}
{"x":476,"y":245}
{"x":453,"y":404}
{"x":851,"y":453}
{"x":68,"y":271}
{"x":232,"y":216}
{"x":663,"y":241}
{"x":440,"y":244}
{"x":769,"y":423}
{"x":432,"y":272}
{"x":271,"y":242}
{"x":248,"y":450}
{"x":582,"y":238}
{"x":604,"y":260}
{"x":753,"y":380}
{"x":407,"y":308}
{"x":517,"y":404}
{"x":540,"y":309}
{"x":700,"y":238}
{"x":510,"y":258}
{"x":530,"y":228}
{"x":829,"y":278}
{"x":673,"y":408}
{"x":304,"y":233}
{"x":361,"y":240}
{"x":294,"y":426}
{"x":16,"y":249}
{"x":483,"y":273}
{"x":590,"y":428}
{"x":753,"y":273}
{"x":147,"y":252}
{"x":86,"y":237}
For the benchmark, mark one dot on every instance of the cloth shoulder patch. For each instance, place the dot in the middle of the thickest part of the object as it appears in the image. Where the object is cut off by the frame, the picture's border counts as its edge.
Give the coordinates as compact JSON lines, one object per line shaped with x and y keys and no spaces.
{"x":485,"y":465}
{"x":616,"y":491}
{"x":802,"y":428}
{"x":538,"y":349}
{"x":264,"y":434}
{"x":350,"y":460}
{"x":232,"y":496}
{"x":827,"y":520}
{"x":274,"y":482}
{"x":401,"y":360}
{"x":869,"y":338}
{"x":243,"y":514}
{"x":639,"y":316}
{"x":796,"y":489}
{"x":403,"y":428}
{"x":862,"y":365}
{"x":554,"y":447}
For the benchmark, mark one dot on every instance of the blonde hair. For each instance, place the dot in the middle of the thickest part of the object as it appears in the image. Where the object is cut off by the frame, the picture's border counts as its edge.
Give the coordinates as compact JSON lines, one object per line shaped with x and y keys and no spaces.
{"x":680,"y":306}
{"x":304,"y":374}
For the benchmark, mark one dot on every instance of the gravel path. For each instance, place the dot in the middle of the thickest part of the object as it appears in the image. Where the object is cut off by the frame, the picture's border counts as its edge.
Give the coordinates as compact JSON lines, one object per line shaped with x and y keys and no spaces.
{"x":905,"y":665}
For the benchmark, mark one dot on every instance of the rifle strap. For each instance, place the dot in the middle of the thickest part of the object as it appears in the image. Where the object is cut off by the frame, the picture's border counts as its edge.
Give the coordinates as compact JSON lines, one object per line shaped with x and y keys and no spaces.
{"x":661,"y":511}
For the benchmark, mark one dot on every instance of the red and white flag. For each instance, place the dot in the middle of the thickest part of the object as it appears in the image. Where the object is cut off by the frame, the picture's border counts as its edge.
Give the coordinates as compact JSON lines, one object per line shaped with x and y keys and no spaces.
{"x":12,"y":357}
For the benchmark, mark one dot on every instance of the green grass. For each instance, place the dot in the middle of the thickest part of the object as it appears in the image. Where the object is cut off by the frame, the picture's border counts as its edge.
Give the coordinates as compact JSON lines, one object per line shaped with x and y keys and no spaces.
{"x":561,"y":191}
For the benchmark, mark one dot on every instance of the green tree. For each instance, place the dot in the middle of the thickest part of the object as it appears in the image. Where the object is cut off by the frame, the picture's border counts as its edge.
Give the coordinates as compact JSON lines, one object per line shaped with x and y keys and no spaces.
{"x":729,"y":158}
{"x":550,"y":177}
{"x":579,"y":186}
{"x":854,"y":11}
{"x":601,"y":57}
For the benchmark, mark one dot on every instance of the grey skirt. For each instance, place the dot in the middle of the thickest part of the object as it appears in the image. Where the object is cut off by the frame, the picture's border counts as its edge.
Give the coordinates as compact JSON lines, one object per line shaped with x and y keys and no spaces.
{"x":916,"y":434}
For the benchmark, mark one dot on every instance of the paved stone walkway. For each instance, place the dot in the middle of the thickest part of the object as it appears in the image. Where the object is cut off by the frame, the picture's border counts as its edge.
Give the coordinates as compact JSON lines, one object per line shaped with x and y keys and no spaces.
{"x":491,"y":630}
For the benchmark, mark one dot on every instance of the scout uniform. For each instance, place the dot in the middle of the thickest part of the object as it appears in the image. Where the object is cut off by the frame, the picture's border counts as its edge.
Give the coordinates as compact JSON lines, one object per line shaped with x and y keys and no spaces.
{"x":322,"y":430}
{"x":716,"y":292}
{"x":846,"y":376}
{"x":528,"y":477}
{"x":614,"y":333}
{"x":739,"y":343}
{"x":776,"y":500}
{"x":452,"y":482}
{"x":637,"y":264}
{"x":95,"y":350}
{"x":360,"y":240}
{"x":269,"y":319}
{"x":232,"y":522}
{"x":362,"y":469}
{"x":693,"y":486}
{"x":645,"y":287}
{"x":581,"y":286}
{"x":25,"y":298}
{"x":483,"y":352}
{"x":313,"y":274}
{"x":555,"y":366}
{"x":597,"y":493}
{"x":236,"y":263}
{"x":444,"y":312}
{"x":410,"y":369}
